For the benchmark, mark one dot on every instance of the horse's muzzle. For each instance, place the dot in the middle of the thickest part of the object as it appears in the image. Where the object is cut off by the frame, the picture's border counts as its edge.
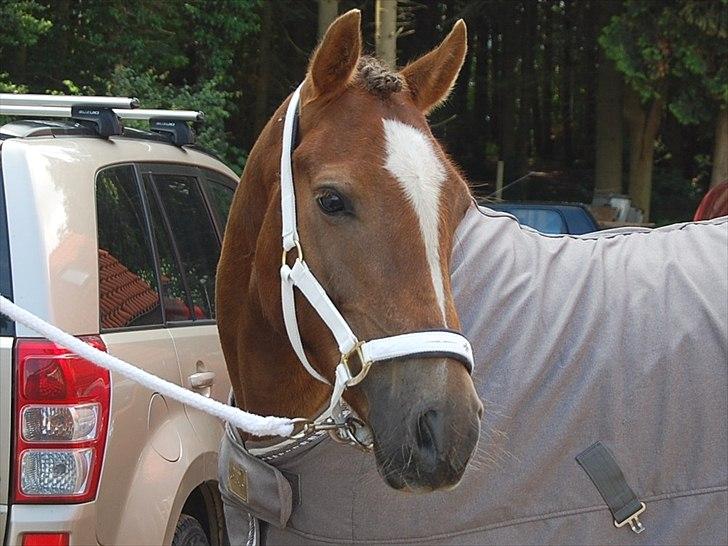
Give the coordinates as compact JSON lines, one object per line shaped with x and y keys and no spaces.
{"x":430,"y":445}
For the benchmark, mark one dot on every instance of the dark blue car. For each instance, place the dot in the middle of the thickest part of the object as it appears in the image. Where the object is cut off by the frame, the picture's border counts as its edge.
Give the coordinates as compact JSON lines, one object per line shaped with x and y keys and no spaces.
{"x":554,"y":218}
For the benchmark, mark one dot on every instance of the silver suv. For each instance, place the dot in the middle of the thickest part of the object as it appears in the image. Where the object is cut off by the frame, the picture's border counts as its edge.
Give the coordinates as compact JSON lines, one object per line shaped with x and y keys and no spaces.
{"x":114,"y":236}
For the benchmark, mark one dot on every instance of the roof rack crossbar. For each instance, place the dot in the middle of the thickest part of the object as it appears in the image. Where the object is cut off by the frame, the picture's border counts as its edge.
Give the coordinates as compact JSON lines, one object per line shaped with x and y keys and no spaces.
{"x":65,"y":112}
{"x":19,"y":99}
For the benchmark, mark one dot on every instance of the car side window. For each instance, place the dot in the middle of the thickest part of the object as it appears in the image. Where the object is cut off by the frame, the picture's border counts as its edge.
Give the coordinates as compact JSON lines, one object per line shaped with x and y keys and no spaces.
{"x":174,"y":294}
{"x":220,"y":197}
{"x":128,"y":293}
{"x":194,"y":236}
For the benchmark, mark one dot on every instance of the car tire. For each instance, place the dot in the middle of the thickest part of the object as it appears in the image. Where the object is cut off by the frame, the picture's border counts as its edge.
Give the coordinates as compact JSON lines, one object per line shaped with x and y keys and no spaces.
{"x":189,"y":532}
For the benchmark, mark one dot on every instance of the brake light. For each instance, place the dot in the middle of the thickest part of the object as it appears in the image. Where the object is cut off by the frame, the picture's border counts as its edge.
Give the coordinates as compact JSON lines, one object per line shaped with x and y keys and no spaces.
{"x":61,"y":418}
{"x":45,"y":539}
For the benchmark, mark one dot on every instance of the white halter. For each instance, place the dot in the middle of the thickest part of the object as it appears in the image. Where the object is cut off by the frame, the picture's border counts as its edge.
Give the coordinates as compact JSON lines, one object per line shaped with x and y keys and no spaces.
{"x":429,"y":343}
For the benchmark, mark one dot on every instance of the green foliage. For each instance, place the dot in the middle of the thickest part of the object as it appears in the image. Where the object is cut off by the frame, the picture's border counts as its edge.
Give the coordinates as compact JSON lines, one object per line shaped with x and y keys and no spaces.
{"x":677,"y":50}
{"x":170,"y":54}
{"x":155,"y":91}
{"x":23,"y":23}
{"x":674,"y":197}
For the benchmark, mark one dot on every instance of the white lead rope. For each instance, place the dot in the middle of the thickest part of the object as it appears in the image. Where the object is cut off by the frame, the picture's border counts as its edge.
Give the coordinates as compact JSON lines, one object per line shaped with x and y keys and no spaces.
{"x":256,"y":425}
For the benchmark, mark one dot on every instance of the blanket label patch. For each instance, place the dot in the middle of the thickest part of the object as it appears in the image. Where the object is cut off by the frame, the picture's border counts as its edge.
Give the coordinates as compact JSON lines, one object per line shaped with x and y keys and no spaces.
{"x":238,"y":481}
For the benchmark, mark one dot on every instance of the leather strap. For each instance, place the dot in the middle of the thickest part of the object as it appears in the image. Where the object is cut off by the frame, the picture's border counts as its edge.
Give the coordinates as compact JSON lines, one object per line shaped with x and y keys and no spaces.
{"x":291,"y":322}
{"x":429,"y":343}
{"x":288,"y":196}
{"x":316,"y":295}
{"x":604,"y":472}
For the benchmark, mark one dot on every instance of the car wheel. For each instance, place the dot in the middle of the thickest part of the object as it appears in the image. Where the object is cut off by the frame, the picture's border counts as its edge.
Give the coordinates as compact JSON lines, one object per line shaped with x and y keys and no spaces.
{"x":189,"y":532}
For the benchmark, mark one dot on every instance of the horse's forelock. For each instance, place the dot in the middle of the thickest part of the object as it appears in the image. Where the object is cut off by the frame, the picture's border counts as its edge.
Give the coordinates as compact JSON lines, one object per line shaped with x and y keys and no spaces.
{"x":377,"y":78}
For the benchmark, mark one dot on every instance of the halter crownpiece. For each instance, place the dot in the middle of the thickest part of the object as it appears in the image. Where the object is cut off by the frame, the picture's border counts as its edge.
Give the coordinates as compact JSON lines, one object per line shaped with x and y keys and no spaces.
{"x":427,"y":343}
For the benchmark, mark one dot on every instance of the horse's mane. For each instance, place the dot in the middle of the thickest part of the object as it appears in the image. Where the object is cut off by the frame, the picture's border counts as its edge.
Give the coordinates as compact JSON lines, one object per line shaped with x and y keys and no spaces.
{"x":377,"y":78}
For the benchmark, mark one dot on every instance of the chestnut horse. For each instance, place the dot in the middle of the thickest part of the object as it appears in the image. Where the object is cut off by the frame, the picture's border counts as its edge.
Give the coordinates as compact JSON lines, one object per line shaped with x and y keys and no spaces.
{"x":615,"y":339}
{"x":377,"y":204}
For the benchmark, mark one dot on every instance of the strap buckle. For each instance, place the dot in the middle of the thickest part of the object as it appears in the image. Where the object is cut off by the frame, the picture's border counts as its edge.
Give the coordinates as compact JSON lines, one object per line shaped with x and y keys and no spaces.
{"x":365,"y":365}
{"x":298,"y":249}
{"x":633,"y":520}
{"x":303,"y":427}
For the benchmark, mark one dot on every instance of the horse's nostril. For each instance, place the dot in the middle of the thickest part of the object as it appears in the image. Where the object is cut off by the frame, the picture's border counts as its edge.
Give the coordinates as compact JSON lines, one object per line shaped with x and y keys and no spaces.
{"x":426,"y":431}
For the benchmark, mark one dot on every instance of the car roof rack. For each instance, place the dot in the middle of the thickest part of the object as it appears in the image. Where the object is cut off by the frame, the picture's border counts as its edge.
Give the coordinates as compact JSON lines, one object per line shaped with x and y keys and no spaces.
{"x":103,"y":114}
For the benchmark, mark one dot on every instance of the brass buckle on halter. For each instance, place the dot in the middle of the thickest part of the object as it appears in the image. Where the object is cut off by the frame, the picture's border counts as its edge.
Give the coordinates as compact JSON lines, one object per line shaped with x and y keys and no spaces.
{"x":365,"y":365}
{"x":298,"y":248}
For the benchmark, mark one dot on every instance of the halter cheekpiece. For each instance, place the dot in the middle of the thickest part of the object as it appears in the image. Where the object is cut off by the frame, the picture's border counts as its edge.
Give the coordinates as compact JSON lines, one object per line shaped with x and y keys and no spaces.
{"x":426,"y":343}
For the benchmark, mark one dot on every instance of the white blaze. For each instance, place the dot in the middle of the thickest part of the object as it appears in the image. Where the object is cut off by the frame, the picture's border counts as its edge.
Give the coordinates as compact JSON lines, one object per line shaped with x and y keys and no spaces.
{"x":412,"y":160}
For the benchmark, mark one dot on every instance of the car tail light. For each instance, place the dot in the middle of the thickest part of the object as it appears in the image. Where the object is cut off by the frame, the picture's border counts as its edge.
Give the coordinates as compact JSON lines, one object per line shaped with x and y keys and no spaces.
{"x":45,"y":539}
{"x":61,"y":418}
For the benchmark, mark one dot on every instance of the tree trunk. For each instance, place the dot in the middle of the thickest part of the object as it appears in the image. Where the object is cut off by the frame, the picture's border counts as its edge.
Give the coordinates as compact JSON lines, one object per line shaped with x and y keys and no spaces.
{"x":478,"y":121}
{"x":496,"y":79}
{"x":644,"y":125}
{"x":62,"y":46}
{"x":386,"y":31}
{"x":262,"y":83}
{"x":509,"y":84}
{"x":327,"y":12}
{"x":567,"y":84}
{"x":529,"y":88}
{"x":534,"y":82}
{"x":547,"y":90}
{"x":720,"y":150}
{"x":608,"y":166}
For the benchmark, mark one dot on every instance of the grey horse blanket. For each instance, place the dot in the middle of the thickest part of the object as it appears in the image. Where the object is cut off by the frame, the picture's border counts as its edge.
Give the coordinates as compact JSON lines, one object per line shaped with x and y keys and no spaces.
{"x":619,"y":337}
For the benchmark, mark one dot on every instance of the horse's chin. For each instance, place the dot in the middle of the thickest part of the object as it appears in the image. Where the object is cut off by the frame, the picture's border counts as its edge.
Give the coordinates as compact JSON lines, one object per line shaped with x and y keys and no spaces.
{"x":410,"y":485}
{"x":410,"y":480}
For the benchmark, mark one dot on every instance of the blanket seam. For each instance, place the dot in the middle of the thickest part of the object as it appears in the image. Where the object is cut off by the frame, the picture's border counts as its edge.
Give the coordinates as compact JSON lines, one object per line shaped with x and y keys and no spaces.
{"x":595,"y":236}
{"x":511,"y":523}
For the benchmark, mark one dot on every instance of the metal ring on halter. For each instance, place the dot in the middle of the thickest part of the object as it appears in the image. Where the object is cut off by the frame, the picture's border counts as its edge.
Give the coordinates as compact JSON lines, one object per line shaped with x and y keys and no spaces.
{"x":300,"y":253}
{"x":309,"y":427}
{"x":365,"y":365}
{"x":306,"y":428}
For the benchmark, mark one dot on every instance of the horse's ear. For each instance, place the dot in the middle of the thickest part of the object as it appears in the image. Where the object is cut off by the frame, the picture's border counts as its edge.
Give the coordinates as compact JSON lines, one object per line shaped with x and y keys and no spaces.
{"x":431,"y":77}
{"x":336,"y":57}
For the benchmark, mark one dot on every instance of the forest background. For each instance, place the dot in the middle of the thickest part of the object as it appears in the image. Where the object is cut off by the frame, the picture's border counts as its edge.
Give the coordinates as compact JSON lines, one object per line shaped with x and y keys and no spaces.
{"x":613,"y":96}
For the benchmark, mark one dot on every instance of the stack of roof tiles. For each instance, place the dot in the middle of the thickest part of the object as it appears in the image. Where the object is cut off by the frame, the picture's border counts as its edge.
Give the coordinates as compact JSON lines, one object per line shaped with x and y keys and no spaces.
{"x":123,"y":295}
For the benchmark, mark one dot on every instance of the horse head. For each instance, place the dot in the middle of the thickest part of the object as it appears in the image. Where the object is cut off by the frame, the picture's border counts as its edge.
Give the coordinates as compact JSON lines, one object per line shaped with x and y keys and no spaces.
{"x":377,"y":205}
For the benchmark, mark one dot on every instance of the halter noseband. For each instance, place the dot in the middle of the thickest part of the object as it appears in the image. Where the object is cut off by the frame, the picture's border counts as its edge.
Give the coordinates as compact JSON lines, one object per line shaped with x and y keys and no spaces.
{"x":427,"y":343}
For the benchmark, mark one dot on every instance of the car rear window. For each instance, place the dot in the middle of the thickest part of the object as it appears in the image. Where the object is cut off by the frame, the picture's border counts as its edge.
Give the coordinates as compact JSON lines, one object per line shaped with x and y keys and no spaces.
{"x":543,"y":220}
{"x":6,"y":287}
{"x":128,"y":289}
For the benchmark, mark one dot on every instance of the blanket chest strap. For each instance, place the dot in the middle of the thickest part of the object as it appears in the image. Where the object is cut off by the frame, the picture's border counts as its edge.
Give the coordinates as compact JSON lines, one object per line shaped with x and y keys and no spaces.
{"x":604,"y":472}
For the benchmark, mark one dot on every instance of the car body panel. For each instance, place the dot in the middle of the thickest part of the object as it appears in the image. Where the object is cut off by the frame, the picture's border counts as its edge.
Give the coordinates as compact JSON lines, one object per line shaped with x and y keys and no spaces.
{"x":714,"y":203}
{"x":79,"y":520}
{"x":6,"y":416}
{"x":147,"y":434}
{"x":199,"y":350}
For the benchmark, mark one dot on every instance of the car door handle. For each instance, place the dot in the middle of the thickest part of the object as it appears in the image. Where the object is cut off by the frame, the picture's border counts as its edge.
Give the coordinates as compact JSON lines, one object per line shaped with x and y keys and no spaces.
{"x":201,"y":380}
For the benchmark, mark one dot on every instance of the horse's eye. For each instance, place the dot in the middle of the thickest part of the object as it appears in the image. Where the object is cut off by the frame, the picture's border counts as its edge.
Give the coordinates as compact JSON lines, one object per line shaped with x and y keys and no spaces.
{"x":331,"y":202}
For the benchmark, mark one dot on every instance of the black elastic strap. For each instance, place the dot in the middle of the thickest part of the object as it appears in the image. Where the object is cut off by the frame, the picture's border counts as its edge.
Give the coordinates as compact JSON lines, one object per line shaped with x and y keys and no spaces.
{"x":600,"y":466}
